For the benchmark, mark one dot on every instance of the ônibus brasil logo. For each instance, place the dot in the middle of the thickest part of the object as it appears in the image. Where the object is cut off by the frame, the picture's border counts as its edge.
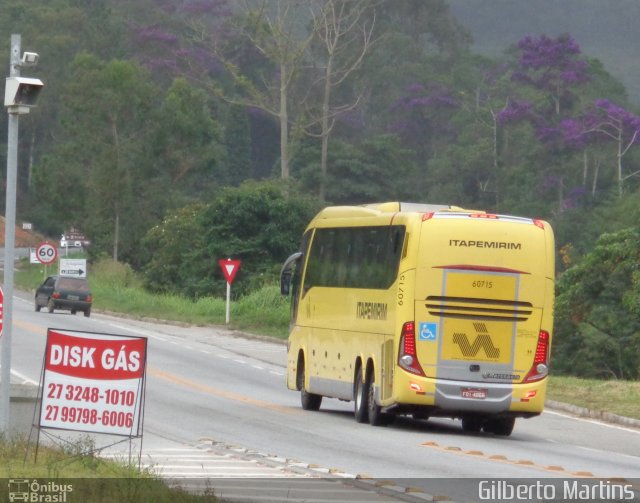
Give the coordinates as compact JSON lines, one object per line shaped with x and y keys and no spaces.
{"x":34,"y":491}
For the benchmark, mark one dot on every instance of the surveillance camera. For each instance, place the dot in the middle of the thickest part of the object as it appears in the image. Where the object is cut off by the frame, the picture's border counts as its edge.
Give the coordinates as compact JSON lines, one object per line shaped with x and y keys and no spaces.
{"x":22,"y":91}
{"x":30,"y":58}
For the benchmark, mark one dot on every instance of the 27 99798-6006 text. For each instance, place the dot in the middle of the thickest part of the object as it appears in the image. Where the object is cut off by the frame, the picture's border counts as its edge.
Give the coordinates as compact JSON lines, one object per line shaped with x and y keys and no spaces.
{"x":108,"y":404}
{"x":560,"y":490}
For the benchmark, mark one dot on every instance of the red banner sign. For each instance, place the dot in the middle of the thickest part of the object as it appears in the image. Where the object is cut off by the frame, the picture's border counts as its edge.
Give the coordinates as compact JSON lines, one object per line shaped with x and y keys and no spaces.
{"x":93,"y":382}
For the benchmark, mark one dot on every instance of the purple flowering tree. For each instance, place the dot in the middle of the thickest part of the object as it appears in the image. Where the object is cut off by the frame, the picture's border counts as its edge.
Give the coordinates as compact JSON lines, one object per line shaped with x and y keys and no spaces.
{"x":553,"y":68}
{"x":422,"y":113}
{"x":552,"y":65}
{"x":606,"y":121}
{"x":164,"y":48}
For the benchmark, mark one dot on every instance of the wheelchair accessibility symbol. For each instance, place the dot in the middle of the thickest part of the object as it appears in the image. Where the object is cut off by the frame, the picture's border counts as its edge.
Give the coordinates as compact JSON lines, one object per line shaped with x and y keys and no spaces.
{"x":428,"y":331}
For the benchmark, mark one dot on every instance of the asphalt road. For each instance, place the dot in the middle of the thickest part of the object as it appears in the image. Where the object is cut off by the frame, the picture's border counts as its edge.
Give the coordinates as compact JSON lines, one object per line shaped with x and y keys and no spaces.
{"x":217,"y":408}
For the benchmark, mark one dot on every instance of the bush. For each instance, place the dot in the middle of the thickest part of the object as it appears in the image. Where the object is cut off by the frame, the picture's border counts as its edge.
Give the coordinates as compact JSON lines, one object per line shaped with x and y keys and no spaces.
{"x":260,"y":223}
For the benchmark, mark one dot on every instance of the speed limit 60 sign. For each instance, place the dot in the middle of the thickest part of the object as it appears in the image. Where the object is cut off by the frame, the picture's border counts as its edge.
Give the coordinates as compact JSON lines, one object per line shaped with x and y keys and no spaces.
{"x":46,"y":253}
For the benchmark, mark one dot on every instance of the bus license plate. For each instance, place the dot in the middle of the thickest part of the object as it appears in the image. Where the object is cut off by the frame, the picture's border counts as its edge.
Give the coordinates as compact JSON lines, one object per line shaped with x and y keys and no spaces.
{"x":476,"y":393}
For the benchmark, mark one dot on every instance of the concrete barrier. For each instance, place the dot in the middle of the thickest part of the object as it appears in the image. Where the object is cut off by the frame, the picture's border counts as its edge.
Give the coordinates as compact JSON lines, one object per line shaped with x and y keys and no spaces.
{"x":24,"y":402}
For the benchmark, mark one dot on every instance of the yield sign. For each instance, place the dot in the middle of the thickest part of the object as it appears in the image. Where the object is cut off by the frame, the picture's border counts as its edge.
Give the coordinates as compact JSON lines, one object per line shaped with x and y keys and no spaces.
{"x":229,"y":268}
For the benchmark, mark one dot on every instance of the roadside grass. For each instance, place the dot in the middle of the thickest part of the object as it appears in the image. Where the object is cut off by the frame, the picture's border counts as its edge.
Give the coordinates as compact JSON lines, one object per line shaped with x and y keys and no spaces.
{"x":91,"y":478}
{"x":614,"y":396}
{"x":116,"y":288}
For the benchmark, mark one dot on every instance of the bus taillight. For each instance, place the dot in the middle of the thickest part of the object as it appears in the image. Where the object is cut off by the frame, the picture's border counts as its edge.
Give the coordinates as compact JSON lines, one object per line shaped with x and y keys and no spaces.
{"x":539,"y":369}
{"x":407,"y":355}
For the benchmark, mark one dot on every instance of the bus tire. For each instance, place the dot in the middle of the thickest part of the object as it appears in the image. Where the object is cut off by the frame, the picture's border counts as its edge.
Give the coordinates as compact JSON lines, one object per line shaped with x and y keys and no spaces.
{"x":472,"y":424}
{"x":309,"y":401}
{"x":502,"y":426}
{"x":376,"y":416}
{"x":361,"y":397}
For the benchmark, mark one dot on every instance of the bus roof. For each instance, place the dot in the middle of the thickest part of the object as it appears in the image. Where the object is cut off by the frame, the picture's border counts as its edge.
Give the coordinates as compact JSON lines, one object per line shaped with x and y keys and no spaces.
{"x":379,"y":209}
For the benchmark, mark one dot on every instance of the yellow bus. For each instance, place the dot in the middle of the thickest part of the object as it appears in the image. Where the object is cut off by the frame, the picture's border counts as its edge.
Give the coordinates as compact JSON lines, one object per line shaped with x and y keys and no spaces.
{"x":422,"y":310}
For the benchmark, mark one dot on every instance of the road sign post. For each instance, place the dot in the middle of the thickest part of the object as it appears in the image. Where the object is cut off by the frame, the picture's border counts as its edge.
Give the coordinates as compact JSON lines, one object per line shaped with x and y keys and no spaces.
{"x":229,"y":269}
{"x":1,"y":311}
{"x":26,"y":91}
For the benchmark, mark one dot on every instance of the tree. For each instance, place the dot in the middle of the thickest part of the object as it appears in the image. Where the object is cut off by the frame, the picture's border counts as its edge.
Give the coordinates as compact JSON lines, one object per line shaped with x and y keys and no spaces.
{"x":597,"y":330}
{"x":360,"y":174}
{"x":257,"y":222}
{"x":187,"y":143}
{"x":553,"y":66}
{"x":56,"y":30}
{"x":344,"y":35}
{"x":607,"y":120}
{"x":269,"y":29}
{"x":170,"y":246}
{"x":102,"y":150}
{"x":237,"y":140}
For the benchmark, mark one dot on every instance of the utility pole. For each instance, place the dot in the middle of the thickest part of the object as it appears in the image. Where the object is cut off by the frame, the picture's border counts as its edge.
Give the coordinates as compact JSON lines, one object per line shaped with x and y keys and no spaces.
{"x":20,"y":95}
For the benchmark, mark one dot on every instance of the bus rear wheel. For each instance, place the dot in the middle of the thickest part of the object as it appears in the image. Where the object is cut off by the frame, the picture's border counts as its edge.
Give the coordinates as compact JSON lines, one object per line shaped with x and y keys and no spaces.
{"x":376,"y":416}
{"x":502,"y":426}
{"x":472,"y":424}
{"x":309,"y":401}
{"x":361,"y":398}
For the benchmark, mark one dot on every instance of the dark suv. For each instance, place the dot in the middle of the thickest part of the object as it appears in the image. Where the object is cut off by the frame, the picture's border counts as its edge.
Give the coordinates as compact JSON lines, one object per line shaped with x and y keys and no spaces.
{"x":64,"y":293}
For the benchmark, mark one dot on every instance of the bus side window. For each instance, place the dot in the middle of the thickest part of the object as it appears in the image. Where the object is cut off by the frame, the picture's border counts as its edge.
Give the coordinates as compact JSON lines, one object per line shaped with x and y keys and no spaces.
{"x":354,"y":257}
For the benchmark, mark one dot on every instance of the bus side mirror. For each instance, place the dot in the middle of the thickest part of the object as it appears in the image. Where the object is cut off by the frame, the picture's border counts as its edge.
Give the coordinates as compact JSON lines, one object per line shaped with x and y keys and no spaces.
{"x":287,"y":272}
{"x":285,"y":283}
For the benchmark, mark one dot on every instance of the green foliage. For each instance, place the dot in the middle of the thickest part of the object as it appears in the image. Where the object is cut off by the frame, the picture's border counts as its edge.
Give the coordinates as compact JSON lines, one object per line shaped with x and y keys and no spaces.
{"x":597,"y":330}
{"x":132,"y":143}
{"x":265,"y":310}
{"x":171,"y":245}
{"x":258,"y":223}
{"x":237,"y":141}
{"x":187,"y":143}
{"x":93,"y":177}
{"x":614,"y":396}
{"x":379,"y":169}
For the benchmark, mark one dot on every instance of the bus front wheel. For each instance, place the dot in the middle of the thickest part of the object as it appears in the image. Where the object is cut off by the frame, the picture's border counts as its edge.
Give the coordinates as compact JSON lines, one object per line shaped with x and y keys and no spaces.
{"x":309,"y":401}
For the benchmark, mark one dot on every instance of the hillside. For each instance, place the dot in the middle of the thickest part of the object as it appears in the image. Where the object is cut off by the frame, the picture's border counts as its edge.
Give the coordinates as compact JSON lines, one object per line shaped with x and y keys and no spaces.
{"x":605,"y":29}
{"x":24,"y":239}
